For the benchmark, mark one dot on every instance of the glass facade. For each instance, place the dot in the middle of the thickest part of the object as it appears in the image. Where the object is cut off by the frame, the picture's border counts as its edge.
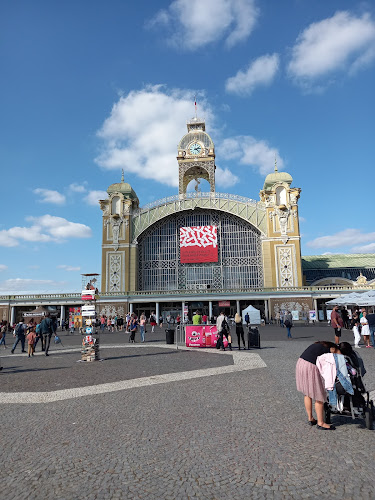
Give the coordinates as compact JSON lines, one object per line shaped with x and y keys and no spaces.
{"x":239,"y":247}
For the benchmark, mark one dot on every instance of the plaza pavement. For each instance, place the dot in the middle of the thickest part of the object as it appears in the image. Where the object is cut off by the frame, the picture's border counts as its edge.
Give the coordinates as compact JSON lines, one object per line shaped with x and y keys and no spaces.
{"x":151,"y":422}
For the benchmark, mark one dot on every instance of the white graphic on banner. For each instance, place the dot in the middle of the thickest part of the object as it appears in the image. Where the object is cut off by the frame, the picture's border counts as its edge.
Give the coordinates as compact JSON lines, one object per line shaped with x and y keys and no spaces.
{"x":199,"y":236}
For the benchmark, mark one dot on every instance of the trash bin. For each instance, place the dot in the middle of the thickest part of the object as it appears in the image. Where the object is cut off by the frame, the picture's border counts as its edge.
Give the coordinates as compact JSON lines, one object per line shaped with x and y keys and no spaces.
{"x":253,"y":338}
{"x":169,"y":336}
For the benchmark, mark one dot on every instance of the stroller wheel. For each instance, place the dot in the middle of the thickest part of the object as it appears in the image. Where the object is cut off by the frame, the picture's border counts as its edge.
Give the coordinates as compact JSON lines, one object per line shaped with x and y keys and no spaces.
{"x":327,"y":413}
{"x":368,"y":418}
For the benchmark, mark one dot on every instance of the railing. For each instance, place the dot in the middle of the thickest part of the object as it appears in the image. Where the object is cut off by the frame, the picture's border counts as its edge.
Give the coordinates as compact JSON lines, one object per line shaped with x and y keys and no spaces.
{"x":193,"y":195}
{"x":222,"y":292}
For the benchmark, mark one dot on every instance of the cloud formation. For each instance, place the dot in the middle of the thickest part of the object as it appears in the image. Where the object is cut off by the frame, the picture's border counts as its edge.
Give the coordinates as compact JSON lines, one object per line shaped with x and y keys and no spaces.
{"x":49,"y":196}
{"x":143,"y":130}
{"x":92,"y":198}
{"x":343,"y":238}
{"x":27,"y":285}
{"x":68,"y":268}
{"x":343,"y":43}
{"x":260,"y":72}
{"x":3,"y":267}
{"x":193,"y":23}
{"x":78,"y":188}
{"x":252,"y":152}
{"x":47,"y":228}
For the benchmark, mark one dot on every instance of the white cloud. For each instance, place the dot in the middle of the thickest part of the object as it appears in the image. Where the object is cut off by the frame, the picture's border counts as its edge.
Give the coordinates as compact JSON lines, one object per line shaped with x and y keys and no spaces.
{"x":143,"y":130}
{"x":194,"y":23}
{"x":44,"y":229}
{"x":260,"y":72}
{"x":78,"y":188}
{"x":370,"y":248}
{"x":93,"y":197}
{"x":3,"y":267}
{"x":224,"y":177}
{"x":250,"y":151}
{"x":68,"y":268}
{"x":342,"y":238}
{"x":26,"y":285}
{"x":340,"y":43}
{"x":301,"y":219}
{"x":49,"y":196}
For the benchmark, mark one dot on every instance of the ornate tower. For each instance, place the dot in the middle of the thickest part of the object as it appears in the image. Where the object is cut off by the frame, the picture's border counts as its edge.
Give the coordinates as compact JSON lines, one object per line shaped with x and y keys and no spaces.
{"x":282,"y":246}
{"x":118,"y":252}
{"x":196,"y":156}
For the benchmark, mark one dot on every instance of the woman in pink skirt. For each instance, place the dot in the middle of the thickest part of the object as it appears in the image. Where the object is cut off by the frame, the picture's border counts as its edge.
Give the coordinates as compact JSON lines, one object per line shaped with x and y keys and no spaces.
{"x":311,"y":384}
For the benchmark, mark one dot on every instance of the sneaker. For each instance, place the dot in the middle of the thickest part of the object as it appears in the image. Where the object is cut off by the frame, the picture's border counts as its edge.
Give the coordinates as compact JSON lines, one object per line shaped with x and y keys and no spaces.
{"x":357,"y":346}
{"x":12,"y":351}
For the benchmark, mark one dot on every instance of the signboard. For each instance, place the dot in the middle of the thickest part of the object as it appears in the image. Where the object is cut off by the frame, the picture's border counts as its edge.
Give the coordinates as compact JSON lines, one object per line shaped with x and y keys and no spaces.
{"x":88,"y":322}
{"x":312,"y":315}
{"x":88,"y":331}
{"x":295,"y":315}
{"x":198,"y":244}
{"x":88,"y":295}
{"x":224,"y":303}
{"x":88,"y":308}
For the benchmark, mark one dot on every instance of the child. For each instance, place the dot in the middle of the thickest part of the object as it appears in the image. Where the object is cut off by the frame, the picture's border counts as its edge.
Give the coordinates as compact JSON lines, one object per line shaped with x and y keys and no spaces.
{"x":31,"y":336}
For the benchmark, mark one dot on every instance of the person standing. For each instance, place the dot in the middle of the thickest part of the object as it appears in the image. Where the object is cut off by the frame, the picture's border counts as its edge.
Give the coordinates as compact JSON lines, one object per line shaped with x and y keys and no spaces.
{"x":204,"y":319}
{"x":365,"y":330}
{"x":288,"y":322}
{"x":239,"y":331}
{"x":345,"y":317}
{"x":336,"y":323}
{"x":355,"y":328}
{"x":46,"y":329}
{"x":19,"y":333}
{"x":247,"y":320}
{"x":197,"y":318}
{"x":142,"y":326}
{"x":38,"y":333}
{"x":221,"y":326}
{"x":371,"y":324}
{"x":161,"y":321}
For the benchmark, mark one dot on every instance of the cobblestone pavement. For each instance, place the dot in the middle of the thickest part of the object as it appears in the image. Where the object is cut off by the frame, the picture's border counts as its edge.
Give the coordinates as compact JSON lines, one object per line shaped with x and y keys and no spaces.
{"x":235,"y":435}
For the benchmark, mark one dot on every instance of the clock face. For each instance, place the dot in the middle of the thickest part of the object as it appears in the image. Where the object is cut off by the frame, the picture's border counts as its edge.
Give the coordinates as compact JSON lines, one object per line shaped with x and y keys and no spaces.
{"x":195,"y":148}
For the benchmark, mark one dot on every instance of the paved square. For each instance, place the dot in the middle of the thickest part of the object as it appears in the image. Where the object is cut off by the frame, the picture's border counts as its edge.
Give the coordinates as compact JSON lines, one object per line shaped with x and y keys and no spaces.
{"x":186,"y":424}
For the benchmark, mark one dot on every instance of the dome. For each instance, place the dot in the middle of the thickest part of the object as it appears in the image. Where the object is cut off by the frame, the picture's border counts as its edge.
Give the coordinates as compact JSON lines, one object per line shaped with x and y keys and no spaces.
{"x":276,"y":177}
{"x":123,"y":188}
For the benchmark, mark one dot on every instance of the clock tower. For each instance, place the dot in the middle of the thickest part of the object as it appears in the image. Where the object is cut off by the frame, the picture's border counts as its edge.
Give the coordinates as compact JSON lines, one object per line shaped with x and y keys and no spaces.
{"x":196,"y":156}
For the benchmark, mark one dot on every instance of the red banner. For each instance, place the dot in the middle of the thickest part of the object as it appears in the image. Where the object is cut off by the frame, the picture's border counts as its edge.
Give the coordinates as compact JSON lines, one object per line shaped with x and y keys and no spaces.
{"x":198,"y":244}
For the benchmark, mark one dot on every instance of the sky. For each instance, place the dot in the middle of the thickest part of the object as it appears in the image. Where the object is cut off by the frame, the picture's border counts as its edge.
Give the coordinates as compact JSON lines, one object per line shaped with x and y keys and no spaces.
{"x":91,"y":87}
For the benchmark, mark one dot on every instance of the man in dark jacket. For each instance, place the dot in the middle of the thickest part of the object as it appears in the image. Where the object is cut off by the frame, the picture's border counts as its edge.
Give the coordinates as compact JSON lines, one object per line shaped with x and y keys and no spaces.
{"x":371,"y":323}
{"x":19,"y":333}
{"x":46,"y":329}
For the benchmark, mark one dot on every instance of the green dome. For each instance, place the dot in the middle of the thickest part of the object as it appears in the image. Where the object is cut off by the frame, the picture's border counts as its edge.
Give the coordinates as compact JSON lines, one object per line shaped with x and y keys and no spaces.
{"x":123,"y":188}
{"x":275,"y":177}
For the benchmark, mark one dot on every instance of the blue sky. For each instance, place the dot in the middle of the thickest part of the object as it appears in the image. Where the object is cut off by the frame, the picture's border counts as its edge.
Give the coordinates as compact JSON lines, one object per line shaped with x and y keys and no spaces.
{"x":90,"y":87}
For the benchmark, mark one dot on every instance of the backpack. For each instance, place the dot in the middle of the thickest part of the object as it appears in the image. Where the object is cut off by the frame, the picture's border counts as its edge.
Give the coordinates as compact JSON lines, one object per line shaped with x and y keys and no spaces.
{"x":37,"y":329}
{"x":287,"y":323}
{"x":19,"y":329}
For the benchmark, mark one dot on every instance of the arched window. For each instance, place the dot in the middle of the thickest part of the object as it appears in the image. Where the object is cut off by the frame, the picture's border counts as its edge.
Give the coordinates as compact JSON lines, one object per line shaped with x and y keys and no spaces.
{"x":116,"y":205}
{"x":280,"y":195}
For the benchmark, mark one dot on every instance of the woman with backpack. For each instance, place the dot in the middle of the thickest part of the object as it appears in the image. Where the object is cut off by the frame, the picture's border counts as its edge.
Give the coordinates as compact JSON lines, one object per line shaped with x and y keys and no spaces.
{"x":288,"y":323}
{"x":133,"y":328}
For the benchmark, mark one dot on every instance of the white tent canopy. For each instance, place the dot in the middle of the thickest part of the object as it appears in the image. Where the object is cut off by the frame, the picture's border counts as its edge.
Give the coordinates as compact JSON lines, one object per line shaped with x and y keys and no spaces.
{"x":354,"y":298}
{"x":254,"y":315}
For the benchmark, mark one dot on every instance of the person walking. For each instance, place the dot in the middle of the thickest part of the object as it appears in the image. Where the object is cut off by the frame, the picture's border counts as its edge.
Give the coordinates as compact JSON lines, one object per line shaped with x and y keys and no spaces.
{"x":247,"y":319}
{"x":3,"y":331}
{"x":371,"y":324}
{"x":222,"y":329}
{"x":336,"y":323}
{"x":288,"y":322}
{"x":46,"y":329}
{"x":39,"y":336}
{"x":161,"y":321}
{"x":31,"y":336}
{"x":142,"y":326}
{"x":152,"y":321}
{"x":102,"y":323}
{"x":239,"y":330}
{"x":133,"y":328}
{"x":19,"y":333}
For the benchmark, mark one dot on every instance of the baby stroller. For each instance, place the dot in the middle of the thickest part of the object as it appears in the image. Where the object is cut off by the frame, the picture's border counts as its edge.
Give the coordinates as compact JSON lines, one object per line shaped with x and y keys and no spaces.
{"x":357,"y":405}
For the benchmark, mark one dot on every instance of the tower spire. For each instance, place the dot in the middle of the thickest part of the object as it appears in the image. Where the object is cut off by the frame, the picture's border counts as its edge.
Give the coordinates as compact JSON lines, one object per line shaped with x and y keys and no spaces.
{"x":276,"y":164}
{"x":195,"y":105}
{"x":122,"y":175}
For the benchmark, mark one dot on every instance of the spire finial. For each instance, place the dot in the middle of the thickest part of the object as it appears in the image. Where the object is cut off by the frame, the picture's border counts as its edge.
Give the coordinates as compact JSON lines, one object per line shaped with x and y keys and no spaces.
{"x":275,"y":164}
{"x":195,"y":105}
{"x":122,"y":175}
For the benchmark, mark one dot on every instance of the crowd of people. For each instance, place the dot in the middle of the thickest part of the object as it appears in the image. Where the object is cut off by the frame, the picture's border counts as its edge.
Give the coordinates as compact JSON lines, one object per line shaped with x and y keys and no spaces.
{"x":362,"y":324}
